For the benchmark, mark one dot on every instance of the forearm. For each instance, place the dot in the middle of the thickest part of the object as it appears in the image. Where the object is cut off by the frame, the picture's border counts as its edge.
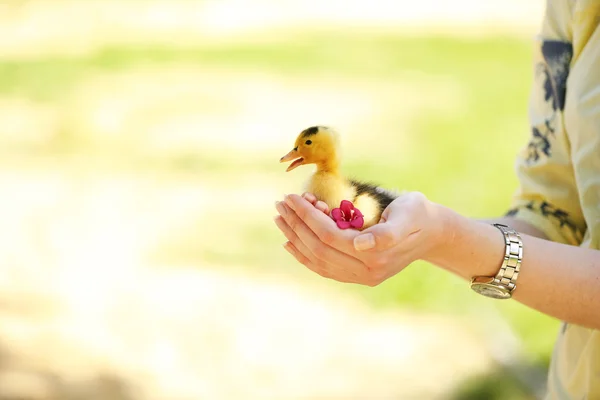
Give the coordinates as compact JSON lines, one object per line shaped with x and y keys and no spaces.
{"x":559,"y":280}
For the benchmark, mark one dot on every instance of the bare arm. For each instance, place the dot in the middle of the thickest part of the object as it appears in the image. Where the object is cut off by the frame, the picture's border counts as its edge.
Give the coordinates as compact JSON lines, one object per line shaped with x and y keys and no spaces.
{"x":560,"y":280}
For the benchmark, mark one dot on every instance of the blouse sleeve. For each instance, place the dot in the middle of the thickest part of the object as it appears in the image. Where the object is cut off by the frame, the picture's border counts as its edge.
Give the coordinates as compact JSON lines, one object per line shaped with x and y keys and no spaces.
{"x":547,"y":196}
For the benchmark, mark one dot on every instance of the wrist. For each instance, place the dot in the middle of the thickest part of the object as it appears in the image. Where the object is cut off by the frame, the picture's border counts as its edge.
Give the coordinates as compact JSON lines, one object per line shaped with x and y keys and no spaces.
{"x":466,"y":246}
{"x":446,"y":229}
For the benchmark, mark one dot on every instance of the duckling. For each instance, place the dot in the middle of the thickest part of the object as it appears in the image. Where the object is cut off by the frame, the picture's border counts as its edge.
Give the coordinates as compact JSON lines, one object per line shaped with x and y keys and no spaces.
{"x":320,"y":145}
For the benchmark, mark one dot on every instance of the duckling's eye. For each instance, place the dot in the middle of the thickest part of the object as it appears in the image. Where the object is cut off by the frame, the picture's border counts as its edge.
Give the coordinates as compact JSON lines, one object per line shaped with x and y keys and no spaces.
{"x":308,"y":142}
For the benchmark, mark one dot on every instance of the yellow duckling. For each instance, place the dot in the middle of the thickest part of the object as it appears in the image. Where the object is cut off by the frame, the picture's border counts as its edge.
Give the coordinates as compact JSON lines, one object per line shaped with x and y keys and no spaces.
{"x":320,"y":145}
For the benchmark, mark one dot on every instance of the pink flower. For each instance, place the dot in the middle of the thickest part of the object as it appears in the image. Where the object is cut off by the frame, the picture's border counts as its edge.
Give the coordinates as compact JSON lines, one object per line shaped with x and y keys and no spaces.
{"x":347,"y":216}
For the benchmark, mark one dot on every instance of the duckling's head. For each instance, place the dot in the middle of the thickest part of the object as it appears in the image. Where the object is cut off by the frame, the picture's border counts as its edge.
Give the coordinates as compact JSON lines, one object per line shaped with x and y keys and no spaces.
{"x":315,"y":145}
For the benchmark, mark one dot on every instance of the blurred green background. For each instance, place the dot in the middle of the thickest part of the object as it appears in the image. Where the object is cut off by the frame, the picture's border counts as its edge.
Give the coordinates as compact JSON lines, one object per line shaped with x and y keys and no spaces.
{"x":134,"y":146}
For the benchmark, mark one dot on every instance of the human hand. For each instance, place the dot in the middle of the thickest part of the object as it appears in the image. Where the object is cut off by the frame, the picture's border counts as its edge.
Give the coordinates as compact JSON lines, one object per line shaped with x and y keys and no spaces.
{"x":411,"y":228}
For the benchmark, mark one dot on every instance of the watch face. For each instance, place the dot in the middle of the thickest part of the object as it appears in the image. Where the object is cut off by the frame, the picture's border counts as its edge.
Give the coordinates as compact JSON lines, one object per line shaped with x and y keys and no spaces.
{"x":492,"y":291}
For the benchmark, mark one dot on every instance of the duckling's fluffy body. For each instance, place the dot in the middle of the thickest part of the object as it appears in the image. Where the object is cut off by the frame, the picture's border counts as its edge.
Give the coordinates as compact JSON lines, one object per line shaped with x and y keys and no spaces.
{"x":320,"y":145}
{"x":332,"y":189}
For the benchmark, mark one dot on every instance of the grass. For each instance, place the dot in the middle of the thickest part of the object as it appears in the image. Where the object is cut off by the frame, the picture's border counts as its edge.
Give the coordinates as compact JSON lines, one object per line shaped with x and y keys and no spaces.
{"x":350,"y":55}
{"x":463,"y":160}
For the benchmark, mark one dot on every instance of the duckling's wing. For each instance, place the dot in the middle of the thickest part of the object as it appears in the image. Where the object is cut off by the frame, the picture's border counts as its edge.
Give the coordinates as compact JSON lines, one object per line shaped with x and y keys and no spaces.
{"x":382,"y":196}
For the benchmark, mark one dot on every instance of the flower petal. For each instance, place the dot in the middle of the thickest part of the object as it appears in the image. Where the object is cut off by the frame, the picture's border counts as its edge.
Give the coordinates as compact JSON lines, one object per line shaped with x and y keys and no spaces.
{"x":336,"y":214}
{"x":343,"y":224}
{"x":357,"y":222}
{"x":346,"y":208}
{"x":357,"y":213}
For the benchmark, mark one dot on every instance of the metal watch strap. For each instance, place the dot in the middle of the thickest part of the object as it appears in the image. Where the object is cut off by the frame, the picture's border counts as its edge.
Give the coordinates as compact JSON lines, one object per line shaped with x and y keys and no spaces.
{"x":511,"y":265}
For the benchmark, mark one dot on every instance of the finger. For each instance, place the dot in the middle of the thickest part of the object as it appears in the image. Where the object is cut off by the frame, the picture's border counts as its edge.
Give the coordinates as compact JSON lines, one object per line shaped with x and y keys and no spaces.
{"x":306,"y":258}
{"x":311,"y":198}
{"x":302,"y":254}
{"x":345,"y":263}
{"x":301,"y":258}
{"x":395,"y":225}
{"x":293,"y":239}
{"x":289,"y":247}
{"x":322,"y":225}
{"x":322,"y":206}
{"x":305,"y":261}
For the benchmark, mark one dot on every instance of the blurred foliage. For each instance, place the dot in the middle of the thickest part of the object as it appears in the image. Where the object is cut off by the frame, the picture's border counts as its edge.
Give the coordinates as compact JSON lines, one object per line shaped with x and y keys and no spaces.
{"x":463,"y":160}
{"x":494,"y":386}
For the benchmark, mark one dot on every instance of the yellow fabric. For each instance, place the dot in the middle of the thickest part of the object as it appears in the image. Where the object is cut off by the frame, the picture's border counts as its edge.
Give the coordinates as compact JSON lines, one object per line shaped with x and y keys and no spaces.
{"x":559,"y":168}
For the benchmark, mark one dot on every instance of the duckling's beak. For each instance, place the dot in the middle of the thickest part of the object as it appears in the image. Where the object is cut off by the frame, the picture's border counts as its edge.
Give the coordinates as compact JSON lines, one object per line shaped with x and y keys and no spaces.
{"x":292,"y":155}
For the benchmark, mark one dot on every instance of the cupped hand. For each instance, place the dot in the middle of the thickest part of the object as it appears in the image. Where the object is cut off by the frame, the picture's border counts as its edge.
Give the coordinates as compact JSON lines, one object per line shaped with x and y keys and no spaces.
{"x":411,"y":228}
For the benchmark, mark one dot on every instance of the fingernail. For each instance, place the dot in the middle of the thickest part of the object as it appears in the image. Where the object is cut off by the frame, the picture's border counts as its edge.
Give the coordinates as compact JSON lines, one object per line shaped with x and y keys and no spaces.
{"x":288,"y":248}
{"x":280,"y":208}
{"x":364,"y":242}
{"x":288,"y":201}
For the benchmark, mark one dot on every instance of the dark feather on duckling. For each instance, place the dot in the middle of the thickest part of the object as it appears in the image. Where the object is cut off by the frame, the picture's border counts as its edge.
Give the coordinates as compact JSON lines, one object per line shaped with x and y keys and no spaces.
{"x":383,"y":197}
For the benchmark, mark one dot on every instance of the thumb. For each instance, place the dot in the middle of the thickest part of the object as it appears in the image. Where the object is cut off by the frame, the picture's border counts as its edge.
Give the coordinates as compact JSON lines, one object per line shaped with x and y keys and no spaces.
{"x":384,"y":235}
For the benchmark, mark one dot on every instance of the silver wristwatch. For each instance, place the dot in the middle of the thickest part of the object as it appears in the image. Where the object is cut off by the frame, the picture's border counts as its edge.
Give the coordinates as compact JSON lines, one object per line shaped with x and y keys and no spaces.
{"x":504,"y":283}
